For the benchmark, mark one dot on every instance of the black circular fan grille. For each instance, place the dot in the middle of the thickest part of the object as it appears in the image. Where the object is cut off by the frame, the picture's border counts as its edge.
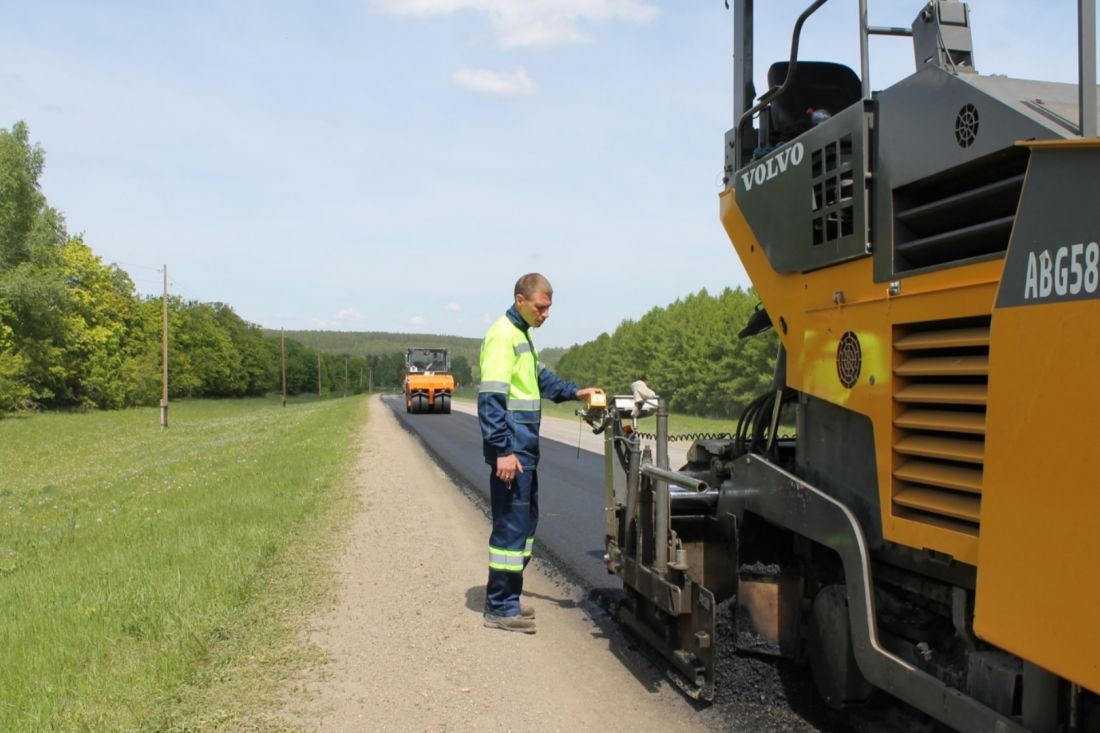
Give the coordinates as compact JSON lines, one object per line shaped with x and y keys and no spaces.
{"x":849,"y":359}
{"x":966,"y":126}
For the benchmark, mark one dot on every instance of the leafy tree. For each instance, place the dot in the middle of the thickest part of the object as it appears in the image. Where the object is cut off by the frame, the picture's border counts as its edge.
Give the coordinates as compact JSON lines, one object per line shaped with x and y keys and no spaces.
{"x":35,"y":304}
{"x":301,"y":368}
{"x":258,"y":361}
{"x":105,"y":345}
{"x":32,"y":293}
{"x":15,"y":393}
{"x":389,"y":370}
{"x":688,"y":352}
{"x":74,"y":333}
{"x":461,"y":371}
{"x":21,"y":203}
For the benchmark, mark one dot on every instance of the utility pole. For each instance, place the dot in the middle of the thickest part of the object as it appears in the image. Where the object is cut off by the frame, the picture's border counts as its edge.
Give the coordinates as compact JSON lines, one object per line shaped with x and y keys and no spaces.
{"x":164,"y":355}
{"x":318,"y":375}
{"x":282,"y":359}
{"x":370,"y":384}
{"x":345,"y":375}
{"x":360,"y":379}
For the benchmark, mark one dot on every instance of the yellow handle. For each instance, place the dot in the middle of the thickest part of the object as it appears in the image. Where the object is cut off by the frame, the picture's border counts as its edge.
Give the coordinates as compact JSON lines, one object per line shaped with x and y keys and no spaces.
{"x":597,"y":399}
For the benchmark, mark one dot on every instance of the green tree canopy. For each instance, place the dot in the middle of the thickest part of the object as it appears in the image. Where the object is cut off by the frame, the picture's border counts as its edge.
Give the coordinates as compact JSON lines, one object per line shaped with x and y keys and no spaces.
{"x":74,"y":333}
{"x":688,"y":352}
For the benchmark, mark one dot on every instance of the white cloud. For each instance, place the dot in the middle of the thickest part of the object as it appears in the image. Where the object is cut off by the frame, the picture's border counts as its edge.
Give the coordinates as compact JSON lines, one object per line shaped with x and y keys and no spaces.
{"x":325,"y":325}
{"x":495,"y":82}
{"x":486,"y":318}
{"x":417,"y":321}
{"x":535,"y":23}
{"x":452,"y":307}
{"x":349,"y":314}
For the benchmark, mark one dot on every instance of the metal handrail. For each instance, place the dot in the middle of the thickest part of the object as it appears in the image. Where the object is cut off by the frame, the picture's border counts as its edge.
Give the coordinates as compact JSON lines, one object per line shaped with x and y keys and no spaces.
{"x":769,"y":96}
{"x":1086,"y":67}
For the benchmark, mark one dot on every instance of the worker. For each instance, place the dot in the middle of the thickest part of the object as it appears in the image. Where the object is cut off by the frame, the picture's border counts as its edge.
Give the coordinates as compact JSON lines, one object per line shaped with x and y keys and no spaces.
{"x":513,"y":383}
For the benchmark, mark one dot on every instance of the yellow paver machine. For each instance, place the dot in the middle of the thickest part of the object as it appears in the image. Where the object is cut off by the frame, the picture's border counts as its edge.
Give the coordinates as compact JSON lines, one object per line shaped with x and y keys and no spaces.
{"x":928,"y":257}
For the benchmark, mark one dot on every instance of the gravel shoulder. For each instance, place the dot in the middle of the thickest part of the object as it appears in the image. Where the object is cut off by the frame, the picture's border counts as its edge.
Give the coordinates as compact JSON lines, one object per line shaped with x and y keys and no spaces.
{"x":405,"y":643}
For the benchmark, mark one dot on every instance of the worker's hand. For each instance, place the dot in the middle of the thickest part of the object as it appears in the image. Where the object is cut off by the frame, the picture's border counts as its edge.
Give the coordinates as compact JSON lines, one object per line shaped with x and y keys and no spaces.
{"x":508,"y":467}
{"x":583,"y":394}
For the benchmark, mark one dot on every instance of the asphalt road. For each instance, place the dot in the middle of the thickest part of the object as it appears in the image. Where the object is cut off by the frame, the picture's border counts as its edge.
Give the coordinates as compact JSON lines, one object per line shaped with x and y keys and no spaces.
{"x":571,"y":517}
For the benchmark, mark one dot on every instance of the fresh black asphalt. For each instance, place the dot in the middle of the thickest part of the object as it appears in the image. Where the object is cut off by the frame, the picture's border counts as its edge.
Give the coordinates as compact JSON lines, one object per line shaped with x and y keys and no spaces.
{"x":571,"y":517}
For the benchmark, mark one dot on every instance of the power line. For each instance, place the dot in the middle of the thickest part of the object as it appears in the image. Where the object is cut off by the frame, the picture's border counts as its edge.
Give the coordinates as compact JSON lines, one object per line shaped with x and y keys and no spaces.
{"x":133,"y":264}
{"x":185,"y":291}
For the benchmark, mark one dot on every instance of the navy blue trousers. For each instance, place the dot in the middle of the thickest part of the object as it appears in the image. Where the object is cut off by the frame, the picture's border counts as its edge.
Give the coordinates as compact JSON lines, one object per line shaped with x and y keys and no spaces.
{"x":515,"y":516}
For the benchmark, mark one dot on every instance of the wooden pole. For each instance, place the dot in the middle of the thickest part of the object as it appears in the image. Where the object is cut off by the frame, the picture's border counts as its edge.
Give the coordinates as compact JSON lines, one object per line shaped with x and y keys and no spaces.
{"x":282,"y":359}
{"x":164,"y":354}
{"x":345,"y":375}
{"x":318,"y":375}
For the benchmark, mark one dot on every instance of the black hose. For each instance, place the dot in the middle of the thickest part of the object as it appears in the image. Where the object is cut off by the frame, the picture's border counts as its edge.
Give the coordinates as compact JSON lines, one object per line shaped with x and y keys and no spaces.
{"x":754,"y":424}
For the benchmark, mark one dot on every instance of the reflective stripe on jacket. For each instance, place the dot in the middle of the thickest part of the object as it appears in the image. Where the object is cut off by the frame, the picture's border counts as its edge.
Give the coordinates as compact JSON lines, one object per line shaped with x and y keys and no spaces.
{"x":513,"y":384}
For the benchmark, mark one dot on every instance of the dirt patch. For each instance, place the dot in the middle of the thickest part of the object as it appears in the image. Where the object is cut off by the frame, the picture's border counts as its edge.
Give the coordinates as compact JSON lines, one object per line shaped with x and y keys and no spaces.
{"x":406,"y":647}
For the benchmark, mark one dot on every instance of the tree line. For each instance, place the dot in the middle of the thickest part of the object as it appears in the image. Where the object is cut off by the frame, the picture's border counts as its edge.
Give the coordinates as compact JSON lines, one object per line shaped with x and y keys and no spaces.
{"x":465,"y":352}
{"x":688,"y":352}
{"x":380,"y":348}
{"x":74,"y":332}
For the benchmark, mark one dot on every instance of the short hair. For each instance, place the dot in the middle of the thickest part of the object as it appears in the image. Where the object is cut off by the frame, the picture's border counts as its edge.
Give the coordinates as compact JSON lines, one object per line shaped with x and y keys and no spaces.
{"x":532,"y":283}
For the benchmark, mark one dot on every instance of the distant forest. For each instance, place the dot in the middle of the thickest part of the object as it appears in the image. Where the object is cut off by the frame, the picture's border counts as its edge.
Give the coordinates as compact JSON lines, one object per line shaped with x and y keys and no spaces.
{"x":74,"y":333}
{"x":687,"y":352}
{"x":368,"y":343}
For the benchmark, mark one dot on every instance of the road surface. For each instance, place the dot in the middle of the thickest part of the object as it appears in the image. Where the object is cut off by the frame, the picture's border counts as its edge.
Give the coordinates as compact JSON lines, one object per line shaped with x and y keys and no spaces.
{"x":754,"y":694}
{"x":571,"y":517}
{"x":401,"y":646}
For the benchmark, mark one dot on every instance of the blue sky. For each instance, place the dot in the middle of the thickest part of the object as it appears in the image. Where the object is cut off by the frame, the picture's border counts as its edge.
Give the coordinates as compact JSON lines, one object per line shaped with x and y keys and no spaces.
{"x":394,"y":165}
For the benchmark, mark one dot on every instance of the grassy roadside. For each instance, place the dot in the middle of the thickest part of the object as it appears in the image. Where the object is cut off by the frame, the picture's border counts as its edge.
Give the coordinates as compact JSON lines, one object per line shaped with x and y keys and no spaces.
{"x":151,"y":580}
{"x":677,"y":423}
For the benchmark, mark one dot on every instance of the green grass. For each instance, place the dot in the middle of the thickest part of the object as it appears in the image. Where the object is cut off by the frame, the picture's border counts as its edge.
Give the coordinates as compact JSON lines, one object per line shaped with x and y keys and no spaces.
{"x":140,"y":570}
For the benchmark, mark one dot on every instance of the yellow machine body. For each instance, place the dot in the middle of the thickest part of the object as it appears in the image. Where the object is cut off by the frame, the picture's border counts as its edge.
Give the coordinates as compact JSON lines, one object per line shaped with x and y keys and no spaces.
{"x":432,"y":386}
{"x":1037,"y":593}
{"x":1013,"y":490}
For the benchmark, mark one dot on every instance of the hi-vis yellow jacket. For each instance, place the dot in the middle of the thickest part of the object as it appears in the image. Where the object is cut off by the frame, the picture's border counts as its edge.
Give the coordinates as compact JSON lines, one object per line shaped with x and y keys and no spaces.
{"x":513,"y":384}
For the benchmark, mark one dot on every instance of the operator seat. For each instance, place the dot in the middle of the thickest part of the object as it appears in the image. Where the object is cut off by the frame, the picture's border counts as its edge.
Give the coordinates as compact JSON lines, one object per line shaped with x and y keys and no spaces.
{"x":818,"y":85}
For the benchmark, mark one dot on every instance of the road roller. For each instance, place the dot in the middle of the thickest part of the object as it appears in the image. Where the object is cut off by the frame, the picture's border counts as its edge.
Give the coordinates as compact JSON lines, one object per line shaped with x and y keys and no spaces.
{"x":428,"y":384}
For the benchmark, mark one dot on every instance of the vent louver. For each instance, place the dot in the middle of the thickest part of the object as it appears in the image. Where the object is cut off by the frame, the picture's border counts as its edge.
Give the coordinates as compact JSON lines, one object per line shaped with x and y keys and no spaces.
{"x":958,"y":215}
{"x":941,"y":385}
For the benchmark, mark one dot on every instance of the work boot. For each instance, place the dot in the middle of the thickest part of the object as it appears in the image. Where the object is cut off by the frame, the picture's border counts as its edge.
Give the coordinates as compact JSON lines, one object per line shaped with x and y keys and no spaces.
{"x":526,"y":611}
{"x":510,"y":623}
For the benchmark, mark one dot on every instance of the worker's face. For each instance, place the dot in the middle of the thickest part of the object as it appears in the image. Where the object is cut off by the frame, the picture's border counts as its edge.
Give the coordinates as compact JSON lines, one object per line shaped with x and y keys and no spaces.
{"x":535,"y":309}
